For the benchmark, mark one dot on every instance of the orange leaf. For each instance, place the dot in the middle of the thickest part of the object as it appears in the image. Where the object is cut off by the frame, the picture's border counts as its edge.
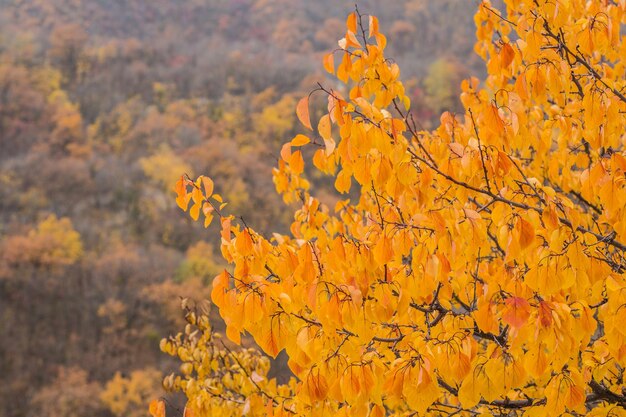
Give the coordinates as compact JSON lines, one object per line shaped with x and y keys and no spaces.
{"x":506,"y":55}
{"x":300,"y":140}
{"x":351,"y":40}
{"x":157,"y":408}
{"x":208,"y":186}
{"x":179,"y":188}
{"x":323,"y":127}
{"x":343,"y":181}
{"x":183,"y":201}
{"x":493,"y":121}
{"x":329,"y":63}
{"x":195,"y":211}
{"x":244,"y":243}
{"x":302,"y":111}
{"x":296,"y":163}
{"x":545,"y":314}
{"x":526,"y":233}
{"x":516,"y":312}
{"x":220,"y":285}
{"x":188,"y":412}
{"x":285,"y":151}
{"x":351,"y":22}
{"x":373,"y":25}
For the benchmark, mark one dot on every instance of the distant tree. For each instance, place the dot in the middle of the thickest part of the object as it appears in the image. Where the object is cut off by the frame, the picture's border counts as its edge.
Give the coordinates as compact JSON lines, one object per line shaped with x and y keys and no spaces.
{"x":129,"y":396}
{"x":441,"y":85}
{"x":71,"y":394}
{"x":67,"y":42}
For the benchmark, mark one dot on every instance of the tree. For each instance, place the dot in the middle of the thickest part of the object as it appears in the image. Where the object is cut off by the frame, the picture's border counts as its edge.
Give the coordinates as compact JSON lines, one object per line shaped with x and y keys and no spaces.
{"x":478,"y":269}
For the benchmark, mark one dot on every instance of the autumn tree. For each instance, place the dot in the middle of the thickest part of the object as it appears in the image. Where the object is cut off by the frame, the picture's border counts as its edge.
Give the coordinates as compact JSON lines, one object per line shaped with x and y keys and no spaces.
{"x":477,"y":269}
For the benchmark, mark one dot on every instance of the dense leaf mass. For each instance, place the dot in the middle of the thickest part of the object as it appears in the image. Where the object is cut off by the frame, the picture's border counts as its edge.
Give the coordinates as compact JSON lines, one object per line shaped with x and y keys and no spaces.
{"x":103,"y":104}
{"x":476,"y":269}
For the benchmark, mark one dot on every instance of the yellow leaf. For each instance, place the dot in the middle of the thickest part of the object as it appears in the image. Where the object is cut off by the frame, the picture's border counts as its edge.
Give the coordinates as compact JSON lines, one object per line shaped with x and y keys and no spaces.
{"x":300,"y":140}
{"x":469,"y":391}
{"x":208,"y":219}
{"x":329,"y":146}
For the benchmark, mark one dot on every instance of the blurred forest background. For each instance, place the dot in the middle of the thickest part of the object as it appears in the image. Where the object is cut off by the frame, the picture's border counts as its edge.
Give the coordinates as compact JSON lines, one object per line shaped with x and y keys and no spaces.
{"x":103,"y":104}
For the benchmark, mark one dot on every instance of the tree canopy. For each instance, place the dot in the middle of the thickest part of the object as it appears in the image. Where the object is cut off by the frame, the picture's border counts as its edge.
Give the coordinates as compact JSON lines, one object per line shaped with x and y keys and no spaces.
{"x":475,"y":269}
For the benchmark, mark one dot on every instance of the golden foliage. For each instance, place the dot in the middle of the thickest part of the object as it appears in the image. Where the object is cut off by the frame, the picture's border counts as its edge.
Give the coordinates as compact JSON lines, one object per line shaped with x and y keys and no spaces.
{"x":53,"y":242}
{"x":130,"y":396}
{"x":478,"y":269}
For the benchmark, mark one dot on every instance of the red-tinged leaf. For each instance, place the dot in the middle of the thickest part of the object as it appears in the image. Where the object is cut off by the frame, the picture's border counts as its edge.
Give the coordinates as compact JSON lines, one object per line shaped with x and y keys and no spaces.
{"x":302,"y":111}
{"x":300,"y":140}
{"x":507,"y":54}
{"x":516,"y":312}
{"x":526,"y":233}
{"x":208,"y":186}
{"x":157,"y":408}
{"x":329,"y":63}
{"x":545,"y":314}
